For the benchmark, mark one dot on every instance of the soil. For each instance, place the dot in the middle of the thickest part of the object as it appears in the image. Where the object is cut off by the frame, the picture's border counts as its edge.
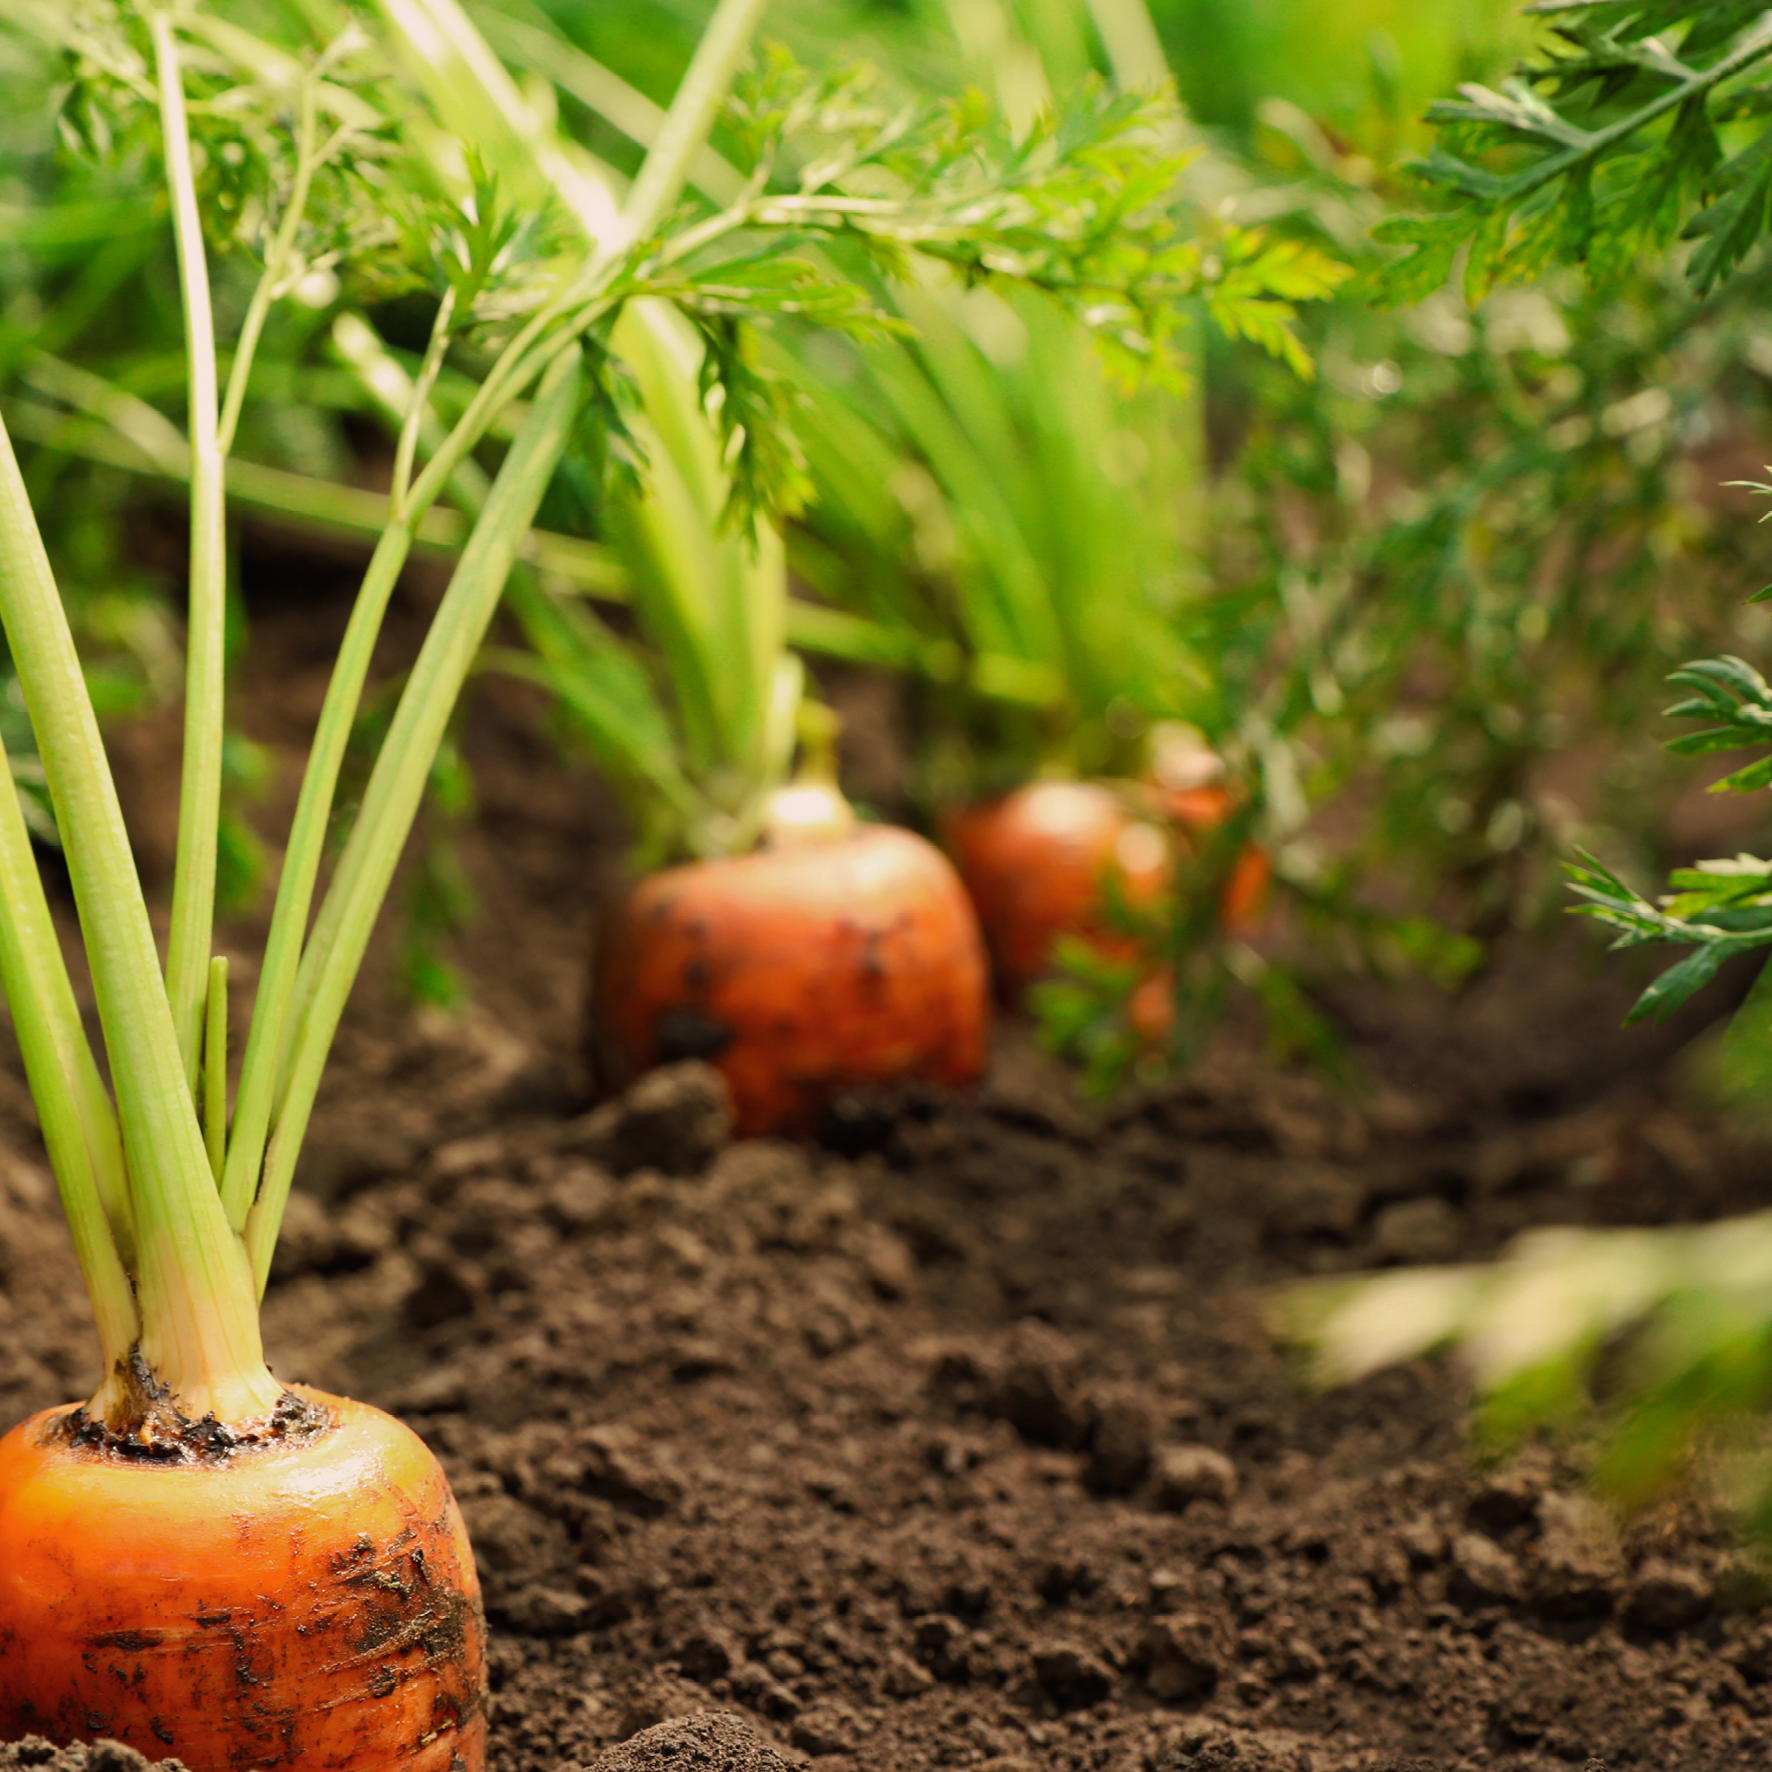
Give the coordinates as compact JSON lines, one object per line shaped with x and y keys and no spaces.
{"x":957,"y":1438}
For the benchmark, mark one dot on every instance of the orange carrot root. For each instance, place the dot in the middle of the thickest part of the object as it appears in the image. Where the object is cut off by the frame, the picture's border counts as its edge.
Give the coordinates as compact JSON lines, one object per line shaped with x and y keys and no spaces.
{"x":797,"y":972}
{"x":1035,"y":862}
{"x":310,"y":1603}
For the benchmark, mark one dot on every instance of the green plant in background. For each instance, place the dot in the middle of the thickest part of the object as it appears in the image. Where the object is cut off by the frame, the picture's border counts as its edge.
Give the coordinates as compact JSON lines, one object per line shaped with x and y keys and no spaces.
{"x":695,"y":764}
{"x":1638,"y":130}
{"x":1033,"y":527}
{"x":1480,"y":532}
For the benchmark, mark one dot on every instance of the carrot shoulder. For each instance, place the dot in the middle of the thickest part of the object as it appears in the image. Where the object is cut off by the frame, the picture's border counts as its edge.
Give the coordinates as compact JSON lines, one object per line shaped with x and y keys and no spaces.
{"x":310,"y":1602}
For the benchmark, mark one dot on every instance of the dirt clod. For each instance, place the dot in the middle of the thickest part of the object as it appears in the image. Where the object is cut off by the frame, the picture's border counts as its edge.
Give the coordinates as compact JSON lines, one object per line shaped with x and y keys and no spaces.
{"x":1071,"y":1676}
{"x":1483,"y":1574}
{"x":1120,"y":1441}
{"x":675,"y":1119}
{"x":1182,"y":1657}
{"x":707,"y":1741}
{"x":1186,"y":1474}
{"x":1666,"y":1597}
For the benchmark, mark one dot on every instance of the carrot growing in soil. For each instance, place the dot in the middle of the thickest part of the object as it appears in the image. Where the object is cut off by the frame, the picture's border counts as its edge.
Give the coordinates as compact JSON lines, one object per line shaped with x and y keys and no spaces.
{"x":986,"y":487}
{"x":1060,"y":865}
{"x":198,"y":1559}
{"x":799,"y":952}
{"x":800,"y":955}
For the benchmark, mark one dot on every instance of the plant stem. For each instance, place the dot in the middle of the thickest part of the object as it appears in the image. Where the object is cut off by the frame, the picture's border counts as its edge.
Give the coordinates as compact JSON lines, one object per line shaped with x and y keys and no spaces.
{"x":199,"y":806}
{"x":691,"y":117}
{"x":199,"y":1317}
{"x":215,"y":1068}
{"x":301,"y":868}
{"x":419,"y":400}
{"x":276,"y":267}
{"x":78,"y":1121}
{"x":43,"y":1017}
{"x":397,"y":783}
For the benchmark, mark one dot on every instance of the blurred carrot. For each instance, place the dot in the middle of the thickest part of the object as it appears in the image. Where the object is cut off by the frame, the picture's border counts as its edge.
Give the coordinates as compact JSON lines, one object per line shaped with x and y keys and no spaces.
{"x":1039,"y":862}
{"x":798,"y":970}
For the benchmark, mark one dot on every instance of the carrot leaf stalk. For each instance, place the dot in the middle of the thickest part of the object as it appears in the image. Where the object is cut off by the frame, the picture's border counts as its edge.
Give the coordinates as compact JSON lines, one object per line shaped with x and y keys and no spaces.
{"x":199,"y":1333}
{"x":397,"y":783}
{"x":199,"y":800}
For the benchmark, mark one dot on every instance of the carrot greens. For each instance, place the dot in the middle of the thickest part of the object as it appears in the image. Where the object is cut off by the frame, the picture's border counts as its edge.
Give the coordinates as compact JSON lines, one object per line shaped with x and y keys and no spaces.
{"x":356,"y":156}
{"x":1633,"y":132}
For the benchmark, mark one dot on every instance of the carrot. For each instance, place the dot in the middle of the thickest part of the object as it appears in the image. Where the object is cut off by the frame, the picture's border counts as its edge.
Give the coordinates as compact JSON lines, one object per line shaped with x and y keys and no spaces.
{"x":1189,"y":780}
{"x":308,"y":1600}
{"x":799,"y":971}
{"x":1036,"y":862}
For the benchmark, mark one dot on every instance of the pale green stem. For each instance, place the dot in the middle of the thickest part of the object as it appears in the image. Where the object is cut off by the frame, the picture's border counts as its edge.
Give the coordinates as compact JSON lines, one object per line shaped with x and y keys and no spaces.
{"x":1135,"y":52}
{"x":419,"y":400}
{"x":199,"y":1317}
{"x":301,"y":868}
{"x":52,"y":1041}
{"x":523,"y":358}
{"x":546,"y":53}
{"x":199,"y":804}
{"x":215,"y":1068}
{"x":687,"y":124}
{"x":276,"y":268}
{"x":397,"y":783}
{"x":79,"y":1123}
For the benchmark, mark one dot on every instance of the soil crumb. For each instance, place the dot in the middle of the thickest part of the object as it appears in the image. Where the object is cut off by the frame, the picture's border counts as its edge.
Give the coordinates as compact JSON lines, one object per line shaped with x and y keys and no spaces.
{"x":101,"y":1756}
{"x":707,"y":1741}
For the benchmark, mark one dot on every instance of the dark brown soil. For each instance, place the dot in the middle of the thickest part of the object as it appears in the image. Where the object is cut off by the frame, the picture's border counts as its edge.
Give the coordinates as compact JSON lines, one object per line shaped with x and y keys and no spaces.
{"x":958,"y":1440}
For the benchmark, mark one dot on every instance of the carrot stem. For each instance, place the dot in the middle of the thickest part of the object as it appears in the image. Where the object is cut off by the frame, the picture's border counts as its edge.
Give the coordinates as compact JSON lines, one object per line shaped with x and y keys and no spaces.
{"x":265,"y":1040}
{"x":686,"y":126}
{"x":215,"y":1068}
{"x":78,"y":1121}
{"x":199,"y":803}
{"x":397,"y":782}
{"x":199,"y":1321}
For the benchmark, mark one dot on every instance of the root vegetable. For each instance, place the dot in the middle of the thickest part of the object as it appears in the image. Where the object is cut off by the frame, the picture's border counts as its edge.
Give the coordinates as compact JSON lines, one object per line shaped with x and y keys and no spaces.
{"x":797,"y":971}
{"x":306,"y":1601}
{"x":1189,"y":781}
{"x":1037,"y":862}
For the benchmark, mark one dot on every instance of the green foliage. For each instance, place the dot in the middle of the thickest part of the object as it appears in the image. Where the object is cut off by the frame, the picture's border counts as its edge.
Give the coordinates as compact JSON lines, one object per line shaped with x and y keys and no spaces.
{"x":1637,"y":138}
{"x":984,"y":487}
{"x":1671,"y":1322}
{"x":1636,"y":127}
{"x":1723,"y":907}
